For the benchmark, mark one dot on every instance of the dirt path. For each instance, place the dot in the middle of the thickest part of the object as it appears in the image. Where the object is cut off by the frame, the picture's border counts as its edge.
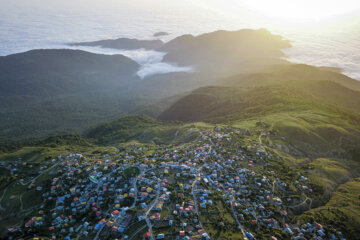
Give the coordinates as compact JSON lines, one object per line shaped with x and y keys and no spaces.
{"x":303,"y":203}
{"x":2,"y":196}
{"x":137,"y":232}
{"x":175,"y":135}
{"x":21,"y":203}
{"x":34,"y":179}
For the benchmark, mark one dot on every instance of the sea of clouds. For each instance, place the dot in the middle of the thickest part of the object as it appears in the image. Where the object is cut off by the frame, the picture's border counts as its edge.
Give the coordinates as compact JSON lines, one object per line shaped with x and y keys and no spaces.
{"x":25,"y":26}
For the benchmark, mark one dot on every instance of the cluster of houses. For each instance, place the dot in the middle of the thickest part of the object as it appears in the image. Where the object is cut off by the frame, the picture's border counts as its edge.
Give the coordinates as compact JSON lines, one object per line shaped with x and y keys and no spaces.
{"x":171,"y":194}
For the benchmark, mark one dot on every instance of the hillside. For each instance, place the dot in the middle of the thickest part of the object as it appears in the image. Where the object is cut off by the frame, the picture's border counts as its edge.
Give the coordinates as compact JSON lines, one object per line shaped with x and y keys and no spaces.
{"x":283,"y":88}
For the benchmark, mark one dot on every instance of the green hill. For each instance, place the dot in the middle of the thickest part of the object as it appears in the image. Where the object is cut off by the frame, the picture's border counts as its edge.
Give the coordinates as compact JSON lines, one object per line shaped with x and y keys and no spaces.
{"x":45,"y":73}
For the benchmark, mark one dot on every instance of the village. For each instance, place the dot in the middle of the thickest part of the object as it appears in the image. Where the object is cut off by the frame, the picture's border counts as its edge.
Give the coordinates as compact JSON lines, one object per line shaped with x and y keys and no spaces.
{"x":217,"y":187}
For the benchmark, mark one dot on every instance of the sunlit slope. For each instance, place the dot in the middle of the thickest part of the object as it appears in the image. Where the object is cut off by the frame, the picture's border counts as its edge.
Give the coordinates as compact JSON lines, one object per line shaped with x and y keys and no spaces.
{"x":284,"y":88}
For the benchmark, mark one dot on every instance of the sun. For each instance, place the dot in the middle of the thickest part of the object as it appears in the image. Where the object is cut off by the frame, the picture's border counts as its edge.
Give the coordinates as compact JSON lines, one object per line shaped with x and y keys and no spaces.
{"x":302,"y":9}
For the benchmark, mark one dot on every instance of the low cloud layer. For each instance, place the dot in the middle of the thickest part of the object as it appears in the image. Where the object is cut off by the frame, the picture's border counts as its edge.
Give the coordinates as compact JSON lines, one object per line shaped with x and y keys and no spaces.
{"x":150,"y":61}
{"x":161,"y":68}
{"x":338,"y":48}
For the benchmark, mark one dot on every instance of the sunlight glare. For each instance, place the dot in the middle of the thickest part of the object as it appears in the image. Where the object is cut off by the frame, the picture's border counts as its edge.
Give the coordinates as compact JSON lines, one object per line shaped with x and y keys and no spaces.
{"x":302,"y":9}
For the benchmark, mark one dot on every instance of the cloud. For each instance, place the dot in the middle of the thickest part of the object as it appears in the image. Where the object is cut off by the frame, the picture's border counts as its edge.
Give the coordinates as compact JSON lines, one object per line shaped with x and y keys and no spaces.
{"x":161,"y":68}
{"x":150,"y":61}
{"x":330,"y":54}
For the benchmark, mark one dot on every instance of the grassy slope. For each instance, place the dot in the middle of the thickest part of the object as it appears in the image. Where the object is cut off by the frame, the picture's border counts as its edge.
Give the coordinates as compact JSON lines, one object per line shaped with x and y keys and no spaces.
{"x":342,"y":211}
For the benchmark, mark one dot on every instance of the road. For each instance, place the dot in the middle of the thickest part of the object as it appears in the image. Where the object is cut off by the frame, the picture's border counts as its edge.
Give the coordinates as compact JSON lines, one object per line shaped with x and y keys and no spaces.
{"x":273,"y":186}
{"x":107,"y":212}
{"x":303,"y":203}
{"x":137,"y":232}
{"x":240,"y":226}
{"x":34,"y":179}
{"x":193,"y":189}
{"x":146,"y":215}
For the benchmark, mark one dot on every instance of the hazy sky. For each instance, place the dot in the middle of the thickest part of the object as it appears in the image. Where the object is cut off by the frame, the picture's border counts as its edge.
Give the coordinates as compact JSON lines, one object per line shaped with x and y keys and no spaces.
{"x":294,"y":9}
{"x":279,"y":13}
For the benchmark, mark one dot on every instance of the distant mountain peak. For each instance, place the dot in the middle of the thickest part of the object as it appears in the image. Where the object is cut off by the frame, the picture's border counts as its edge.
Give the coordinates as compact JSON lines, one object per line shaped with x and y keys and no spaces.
{"x":123,"y":43}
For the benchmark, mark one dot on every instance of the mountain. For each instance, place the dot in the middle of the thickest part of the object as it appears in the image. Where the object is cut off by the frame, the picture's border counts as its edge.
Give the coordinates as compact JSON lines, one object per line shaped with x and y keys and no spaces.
{"x":160,"y":34}
{"x":43,"y":91}
{"x":50,"y":72}
{"x":227,"y":51}
{"x":123,"y":43}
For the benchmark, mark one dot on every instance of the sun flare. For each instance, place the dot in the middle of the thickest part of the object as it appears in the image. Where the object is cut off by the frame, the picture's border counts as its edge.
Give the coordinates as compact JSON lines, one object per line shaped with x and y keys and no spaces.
{"x":303,"y":9}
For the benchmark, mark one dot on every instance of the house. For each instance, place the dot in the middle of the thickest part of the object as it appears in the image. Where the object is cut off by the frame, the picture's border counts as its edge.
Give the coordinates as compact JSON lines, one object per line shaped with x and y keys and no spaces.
{"x":115,"y":213}
{"x":160,"y":236}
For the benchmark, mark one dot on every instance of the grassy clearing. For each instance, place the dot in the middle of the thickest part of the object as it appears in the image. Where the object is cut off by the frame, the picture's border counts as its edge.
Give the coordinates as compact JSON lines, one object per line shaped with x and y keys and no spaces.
{"x":131,"y":172}
{"x":329,"y":173}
